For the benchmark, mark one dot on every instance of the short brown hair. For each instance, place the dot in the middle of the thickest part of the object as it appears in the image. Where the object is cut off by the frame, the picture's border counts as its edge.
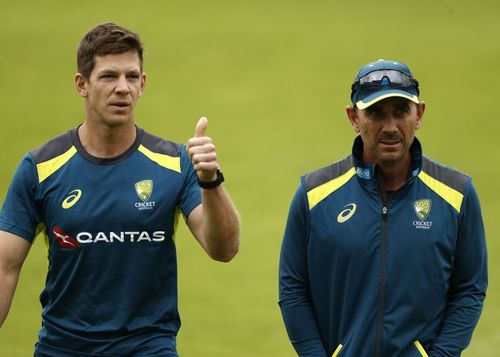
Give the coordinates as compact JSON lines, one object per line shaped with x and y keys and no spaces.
{"x":106,"y":39}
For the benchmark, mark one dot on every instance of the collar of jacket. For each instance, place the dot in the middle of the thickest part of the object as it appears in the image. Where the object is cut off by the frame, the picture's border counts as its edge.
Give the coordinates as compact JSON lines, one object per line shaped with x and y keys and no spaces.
{"x":367,"y":172}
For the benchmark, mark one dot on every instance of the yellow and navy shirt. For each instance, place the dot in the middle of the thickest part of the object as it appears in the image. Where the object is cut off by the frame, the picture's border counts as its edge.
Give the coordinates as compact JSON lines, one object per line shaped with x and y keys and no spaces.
{"x":108,"y":224}
{"x":366,"y":273}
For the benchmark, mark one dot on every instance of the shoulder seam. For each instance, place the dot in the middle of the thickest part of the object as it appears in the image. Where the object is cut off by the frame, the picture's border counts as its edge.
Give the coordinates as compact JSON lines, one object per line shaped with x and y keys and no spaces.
{"x":160,"y":146}
{"x":51,"y":156}
{"x":446,"y":182}
{"x":447,"y":175}
{"x":169,"y":162}
{"x":53,"y":148}
{"x":453,"y":197}
{"x":325,"y":174}
{"x":339,"y":174}
{"x":47,"y":168}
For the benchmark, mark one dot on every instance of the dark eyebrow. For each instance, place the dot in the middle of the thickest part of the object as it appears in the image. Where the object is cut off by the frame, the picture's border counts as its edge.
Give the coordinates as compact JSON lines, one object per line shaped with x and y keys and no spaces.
{"x":106,"y":71}
{"x":403,"y":104}
{"x":376,"y":106}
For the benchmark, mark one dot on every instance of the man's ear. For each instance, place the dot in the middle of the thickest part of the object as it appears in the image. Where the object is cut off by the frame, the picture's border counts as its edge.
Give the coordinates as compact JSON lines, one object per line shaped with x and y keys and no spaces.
{"x":81,"y":84}
{"x":420,"y":114}
{"x":143,"y":82}
{"x":352,"y":115}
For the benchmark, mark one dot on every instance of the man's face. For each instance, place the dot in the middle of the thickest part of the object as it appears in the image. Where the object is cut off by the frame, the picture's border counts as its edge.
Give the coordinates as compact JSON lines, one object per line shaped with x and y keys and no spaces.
{"x":113,"y":88}
{"x":387,"y":129}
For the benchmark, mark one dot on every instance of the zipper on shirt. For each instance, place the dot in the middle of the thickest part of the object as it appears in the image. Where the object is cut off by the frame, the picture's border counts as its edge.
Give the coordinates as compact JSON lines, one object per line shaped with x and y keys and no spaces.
{"x":381,"y":295}
{"x":383,"y":264}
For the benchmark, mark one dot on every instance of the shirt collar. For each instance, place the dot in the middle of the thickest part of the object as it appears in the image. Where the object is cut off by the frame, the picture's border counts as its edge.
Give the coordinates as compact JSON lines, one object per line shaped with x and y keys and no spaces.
{"x":367,"y":171}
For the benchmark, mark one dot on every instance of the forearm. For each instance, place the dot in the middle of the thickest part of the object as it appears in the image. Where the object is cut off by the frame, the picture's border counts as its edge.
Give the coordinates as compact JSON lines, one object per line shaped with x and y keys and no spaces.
{"x":13,"y":251}
{"x":220,"y":224}
{"x":8,"y":283}
{"x":461,"y":317}
{"x":302,"y":327}
{"x":294,"y":289}
{"x":468,"y":284}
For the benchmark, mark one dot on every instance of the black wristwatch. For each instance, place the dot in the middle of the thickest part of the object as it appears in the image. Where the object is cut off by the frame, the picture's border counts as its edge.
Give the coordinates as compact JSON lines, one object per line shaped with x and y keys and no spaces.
{"x":212,"y":184}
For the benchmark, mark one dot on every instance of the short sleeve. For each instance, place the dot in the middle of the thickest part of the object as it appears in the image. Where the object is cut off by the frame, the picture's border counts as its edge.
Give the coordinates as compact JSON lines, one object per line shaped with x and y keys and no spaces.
{"x":190,"y":196}
{"x":20,"y":214}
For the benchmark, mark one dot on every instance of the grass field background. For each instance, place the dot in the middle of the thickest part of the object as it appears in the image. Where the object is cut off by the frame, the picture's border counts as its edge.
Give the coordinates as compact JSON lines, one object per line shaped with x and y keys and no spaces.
{"x":273,"y":77}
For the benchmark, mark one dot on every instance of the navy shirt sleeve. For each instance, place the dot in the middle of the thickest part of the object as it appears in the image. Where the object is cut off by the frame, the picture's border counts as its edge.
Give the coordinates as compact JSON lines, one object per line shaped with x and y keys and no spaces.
{"x":468,"y":282}
{"x":20,"y":214}
{"x":294,"y":290}
{"x":190,"y":196}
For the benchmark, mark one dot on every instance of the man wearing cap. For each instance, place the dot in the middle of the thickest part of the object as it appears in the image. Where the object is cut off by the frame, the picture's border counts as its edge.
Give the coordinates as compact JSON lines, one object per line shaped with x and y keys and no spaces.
{"x":384,"y":251}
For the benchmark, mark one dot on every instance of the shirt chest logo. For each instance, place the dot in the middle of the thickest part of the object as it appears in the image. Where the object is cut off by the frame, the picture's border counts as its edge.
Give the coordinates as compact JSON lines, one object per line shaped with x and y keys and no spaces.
{"x":65,"y":240}
{"x":422,"y":209}
{"x":144,"y":190}
{"x":72,"y":199}
{"x":347,"y":213}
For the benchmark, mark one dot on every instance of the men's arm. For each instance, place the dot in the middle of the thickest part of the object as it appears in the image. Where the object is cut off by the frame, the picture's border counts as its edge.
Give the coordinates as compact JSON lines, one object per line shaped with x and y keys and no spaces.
{"x":13,"y":251}
{"x":215,"y":223}
{"x":468,"y":283}
{"x":294,"y":289}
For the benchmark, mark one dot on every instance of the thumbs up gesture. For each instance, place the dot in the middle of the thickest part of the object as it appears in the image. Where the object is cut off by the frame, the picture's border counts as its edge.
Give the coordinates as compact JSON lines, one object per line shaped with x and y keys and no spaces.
{"x":202,"y":153}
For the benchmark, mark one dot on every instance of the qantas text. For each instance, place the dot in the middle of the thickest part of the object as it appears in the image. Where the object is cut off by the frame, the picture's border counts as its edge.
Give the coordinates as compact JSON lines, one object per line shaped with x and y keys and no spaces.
{"x":122,"y":237}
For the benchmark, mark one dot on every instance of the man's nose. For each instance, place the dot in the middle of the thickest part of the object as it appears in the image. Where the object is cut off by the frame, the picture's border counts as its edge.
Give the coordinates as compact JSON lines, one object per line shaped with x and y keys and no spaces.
{"x":122,"y":86}
{"x":390,"y":124}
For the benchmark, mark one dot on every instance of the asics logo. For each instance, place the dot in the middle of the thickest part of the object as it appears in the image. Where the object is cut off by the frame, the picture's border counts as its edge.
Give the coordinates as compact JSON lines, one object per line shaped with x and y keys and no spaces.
{"x":73,"y":198}
{"x":347,"y":213}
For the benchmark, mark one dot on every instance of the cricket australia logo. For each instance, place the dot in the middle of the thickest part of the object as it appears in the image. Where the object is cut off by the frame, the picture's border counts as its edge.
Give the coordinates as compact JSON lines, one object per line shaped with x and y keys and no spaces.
{"x":422,"y":209}
{"x":144,"y":190}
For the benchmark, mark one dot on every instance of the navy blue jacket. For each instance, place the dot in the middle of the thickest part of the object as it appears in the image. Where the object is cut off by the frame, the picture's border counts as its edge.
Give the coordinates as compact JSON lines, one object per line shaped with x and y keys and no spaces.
{"x":366,"y":273}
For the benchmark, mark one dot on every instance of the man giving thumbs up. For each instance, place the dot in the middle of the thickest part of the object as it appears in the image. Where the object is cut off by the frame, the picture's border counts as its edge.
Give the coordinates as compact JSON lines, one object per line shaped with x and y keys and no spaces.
{"x":214,"y":222}
{"x":107,"y":195}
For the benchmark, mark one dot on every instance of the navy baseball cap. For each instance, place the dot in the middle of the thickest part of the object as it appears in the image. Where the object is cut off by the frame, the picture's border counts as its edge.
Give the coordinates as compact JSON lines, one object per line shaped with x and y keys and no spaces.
{"x":383,"y":79}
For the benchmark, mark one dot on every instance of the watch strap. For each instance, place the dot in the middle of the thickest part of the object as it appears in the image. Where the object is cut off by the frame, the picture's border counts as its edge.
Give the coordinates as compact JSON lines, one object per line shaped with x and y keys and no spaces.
{"x":212,"y":184}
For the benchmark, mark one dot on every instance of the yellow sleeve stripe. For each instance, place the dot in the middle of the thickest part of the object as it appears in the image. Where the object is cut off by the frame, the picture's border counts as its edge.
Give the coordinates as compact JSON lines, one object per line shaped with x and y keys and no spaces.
{"x":176,"y":222}
{"x":453,"y":197}
{"x":318,"y":194}
{"x":47,"y":168}
{"x":420,"y":349}
{"x":169,"y":162}
{"x":337,"y":350}
{"x":46,"y":239}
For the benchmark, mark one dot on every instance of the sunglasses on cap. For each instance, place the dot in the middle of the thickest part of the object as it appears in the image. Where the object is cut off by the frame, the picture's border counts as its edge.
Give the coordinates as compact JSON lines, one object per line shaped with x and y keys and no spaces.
{"x":392,"y":78}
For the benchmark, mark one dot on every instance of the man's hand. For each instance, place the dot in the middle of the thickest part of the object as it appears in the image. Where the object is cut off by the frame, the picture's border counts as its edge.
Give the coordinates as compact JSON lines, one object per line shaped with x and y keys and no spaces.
{"x":202,"y":153}
{"x":215,"y":222}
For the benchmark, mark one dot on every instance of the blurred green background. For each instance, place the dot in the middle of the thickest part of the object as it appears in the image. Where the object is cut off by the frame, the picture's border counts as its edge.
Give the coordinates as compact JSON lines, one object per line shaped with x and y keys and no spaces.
{"x":273,"y":77}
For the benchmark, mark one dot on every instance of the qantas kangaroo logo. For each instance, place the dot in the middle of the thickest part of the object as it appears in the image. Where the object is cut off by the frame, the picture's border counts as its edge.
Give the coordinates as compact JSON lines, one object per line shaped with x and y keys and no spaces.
{"x":64,"y":240}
